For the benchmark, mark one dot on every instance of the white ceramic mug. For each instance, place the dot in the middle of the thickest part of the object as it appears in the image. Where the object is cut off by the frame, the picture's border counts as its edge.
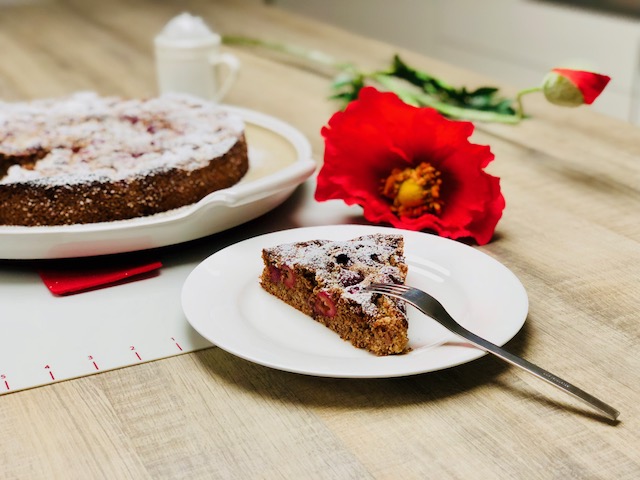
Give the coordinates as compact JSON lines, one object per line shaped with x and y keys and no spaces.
{"x":189,"y":60}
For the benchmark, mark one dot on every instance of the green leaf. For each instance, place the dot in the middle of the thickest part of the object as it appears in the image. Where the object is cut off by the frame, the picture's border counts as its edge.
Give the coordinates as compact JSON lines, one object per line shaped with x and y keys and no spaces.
{"x":483,"y":98}
{"x":485,"y":91}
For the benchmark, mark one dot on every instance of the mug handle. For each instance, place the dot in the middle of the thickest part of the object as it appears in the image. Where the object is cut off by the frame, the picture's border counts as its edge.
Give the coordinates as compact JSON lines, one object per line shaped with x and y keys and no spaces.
{"x":233,"y":66}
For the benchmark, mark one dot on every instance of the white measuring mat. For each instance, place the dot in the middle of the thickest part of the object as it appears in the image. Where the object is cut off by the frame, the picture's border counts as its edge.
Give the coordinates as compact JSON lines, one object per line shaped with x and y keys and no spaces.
{"x":46,"y":339}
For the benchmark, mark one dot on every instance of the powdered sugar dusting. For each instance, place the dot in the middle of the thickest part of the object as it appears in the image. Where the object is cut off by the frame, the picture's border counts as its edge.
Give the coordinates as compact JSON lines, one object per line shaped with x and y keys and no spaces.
{"x":348,"y":265}
{"x":85,"y":137}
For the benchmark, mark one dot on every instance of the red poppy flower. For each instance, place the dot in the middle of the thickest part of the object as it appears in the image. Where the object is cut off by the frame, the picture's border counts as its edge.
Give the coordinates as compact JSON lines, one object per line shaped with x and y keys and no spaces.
{"x":409,"y":167}
{"x":572,"y":88}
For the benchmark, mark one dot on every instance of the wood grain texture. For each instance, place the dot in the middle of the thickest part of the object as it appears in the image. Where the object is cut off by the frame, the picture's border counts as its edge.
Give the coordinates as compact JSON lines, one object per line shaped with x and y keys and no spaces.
{"x":570,"y":232}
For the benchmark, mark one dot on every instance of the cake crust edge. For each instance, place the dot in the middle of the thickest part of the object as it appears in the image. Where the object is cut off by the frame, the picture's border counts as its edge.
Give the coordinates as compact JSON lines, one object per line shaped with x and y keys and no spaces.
{"x":26,"y":204}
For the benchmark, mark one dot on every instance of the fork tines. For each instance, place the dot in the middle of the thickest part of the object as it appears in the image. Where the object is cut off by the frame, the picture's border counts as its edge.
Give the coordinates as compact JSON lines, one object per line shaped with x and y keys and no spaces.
{"x":387,"y":288}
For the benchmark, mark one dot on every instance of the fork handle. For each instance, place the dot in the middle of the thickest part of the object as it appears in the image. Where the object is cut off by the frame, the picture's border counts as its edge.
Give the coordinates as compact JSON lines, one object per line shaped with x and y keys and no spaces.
{"x":435,"y":310}
{"x":541,"y":373}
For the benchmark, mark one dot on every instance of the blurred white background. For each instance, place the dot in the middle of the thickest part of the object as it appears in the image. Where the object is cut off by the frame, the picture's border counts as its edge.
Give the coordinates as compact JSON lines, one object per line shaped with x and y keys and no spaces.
{"x":515,"y":41}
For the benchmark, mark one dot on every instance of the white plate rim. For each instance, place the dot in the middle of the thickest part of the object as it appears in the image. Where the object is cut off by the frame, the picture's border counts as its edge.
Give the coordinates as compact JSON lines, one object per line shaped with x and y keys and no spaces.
{"x":197,"y":290}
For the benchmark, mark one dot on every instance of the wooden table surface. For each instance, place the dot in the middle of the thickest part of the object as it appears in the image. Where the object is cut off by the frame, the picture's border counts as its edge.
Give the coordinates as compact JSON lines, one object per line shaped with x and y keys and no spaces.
{"x":570,"y":232}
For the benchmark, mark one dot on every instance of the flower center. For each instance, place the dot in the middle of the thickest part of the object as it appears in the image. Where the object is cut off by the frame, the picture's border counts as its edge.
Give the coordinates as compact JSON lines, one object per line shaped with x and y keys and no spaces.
{"x":414,"y":191}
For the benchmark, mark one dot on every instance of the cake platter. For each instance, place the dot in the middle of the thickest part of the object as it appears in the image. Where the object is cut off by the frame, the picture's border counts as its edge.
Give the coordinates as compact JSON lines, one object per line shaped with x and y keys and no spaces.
{"x":279,"y":161}
{"x":223,"y":302}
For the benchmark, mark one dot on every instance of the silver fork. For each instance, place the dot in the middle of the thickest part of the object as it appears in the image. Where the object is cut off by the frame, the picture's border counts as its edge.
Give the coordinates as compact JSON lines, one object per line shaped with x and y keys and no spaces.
{"x":434,"y":309}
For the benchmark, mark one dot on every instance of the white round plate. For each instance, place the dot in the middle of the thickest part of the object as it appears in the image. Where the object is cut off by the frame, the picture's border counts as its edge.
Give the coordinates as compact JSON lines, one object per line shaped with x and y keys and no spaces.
{"x":279,"y":160}
{"x":223,"y":301}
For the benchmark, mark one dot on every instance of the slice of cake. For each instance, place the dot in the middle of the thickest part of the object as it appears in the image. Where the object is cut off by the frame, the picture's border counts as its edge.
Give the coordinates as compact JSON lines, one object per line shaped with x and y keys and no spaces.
{"x":324,"y":279}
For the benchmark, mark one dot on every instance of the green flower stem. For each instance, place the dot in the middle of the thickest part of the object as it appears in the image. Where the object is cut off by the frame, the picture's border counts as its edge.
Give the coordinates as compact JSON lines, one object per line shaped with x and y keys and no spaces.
{"x":467,"y":113}
{"x":393,"y":86}
{"x":383,"y":78}
{"x":419,"y":99}
{"x":520,"y":109}
{"x":295,"y":51}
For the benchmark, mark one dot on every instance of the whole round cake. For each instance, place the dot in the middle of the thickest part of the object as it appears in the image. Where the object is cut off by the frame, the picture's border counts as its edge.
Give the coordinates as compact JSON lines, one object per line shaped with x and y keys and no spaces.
{"x":87,"y":158}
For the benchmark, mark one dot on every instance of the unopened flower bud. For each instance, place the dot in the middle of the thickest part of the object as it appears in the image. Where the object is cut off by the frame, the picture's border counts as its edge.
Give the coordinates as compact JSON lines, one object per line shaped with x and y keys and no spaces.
{"x":572,"y":88}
